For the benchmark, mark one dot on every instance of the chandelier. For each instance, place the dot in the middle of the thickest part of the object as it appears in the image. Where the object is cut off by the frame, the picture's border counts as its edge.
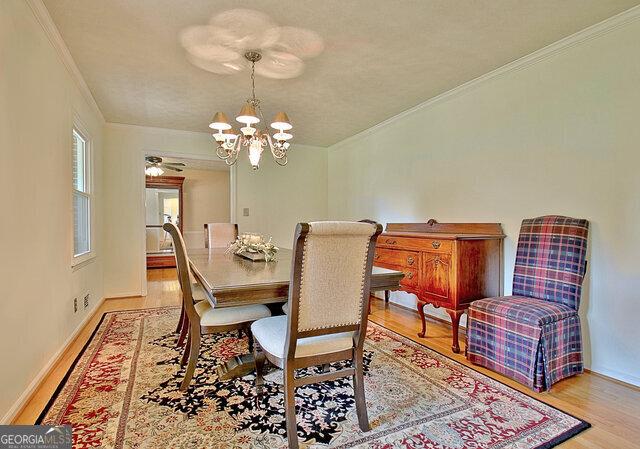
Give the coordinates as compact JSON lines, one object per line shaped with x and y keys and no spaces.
{"x":230,"y":143}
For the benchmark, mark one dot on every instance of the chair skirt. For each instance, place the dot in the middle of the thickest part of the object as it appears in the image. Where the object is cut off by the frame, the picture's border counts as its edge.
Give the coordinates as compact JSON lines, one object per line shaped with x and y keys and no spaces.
{"x":534,"y":354}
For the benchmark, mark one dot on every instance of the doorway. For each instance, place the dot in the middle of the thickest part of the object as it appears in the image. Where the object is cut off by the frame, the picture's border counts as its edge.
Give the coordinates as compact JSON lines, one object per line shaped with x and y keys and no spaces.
{"x":163,"y":201}
{"x":188,"y":191}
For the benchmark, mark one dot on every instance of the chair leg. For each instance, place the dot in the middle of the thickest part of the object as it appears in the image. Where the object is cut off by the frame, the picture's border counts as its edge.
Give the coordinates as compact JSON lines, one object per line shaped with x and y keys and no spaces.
{"x":184,"y":330}
{"x":358,"y":389}
{"x":259,"y":357}
{"x":181,"y":320}
{"x":194,"y":352}
{"x":290,"y":407}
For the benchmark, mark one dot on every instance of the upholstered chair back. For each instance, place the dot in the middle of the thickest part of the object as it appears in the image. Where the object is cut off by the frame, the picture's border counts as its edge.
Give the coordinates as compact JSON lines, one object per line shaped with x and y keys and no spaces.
{"x":331,"y":273}
{"x":182,"y":262}
{"x":551,"y":259}
{"x":219,"y":235}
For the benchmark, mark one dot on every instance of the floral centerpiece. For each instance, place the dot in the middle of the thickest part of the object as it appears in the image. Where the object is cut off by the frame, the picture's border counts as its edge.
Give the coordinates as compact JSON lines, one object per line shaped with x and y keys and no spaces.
{"x":254,"y":247}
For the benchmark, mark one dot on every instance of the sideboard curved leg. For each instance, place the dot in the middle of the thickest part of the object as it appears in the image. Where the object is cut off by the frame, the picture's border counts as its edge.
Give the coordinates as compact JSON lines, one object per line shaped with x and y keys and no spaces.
{"x":455,"y":322}
{"x":421,"y":305}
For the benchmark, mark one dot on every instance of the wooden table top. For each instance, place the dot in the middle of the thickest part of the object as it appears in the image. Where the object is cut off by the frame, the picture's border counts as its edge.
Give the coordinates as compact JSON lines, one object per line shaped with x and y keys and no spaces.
{"x":233,"y":280}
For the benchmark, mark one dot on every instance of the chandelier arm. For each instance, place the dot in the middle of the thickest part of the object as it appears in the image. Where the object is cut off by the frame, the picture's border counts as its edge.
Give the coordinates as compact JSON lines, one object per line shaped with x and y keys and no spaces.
{"x":233,"y":157}
{"x":281,"y":164}
{"x":270,"y":142}
{"x":277,"y":152}
{"x":236,"y":149}
{"x":221,"y":152}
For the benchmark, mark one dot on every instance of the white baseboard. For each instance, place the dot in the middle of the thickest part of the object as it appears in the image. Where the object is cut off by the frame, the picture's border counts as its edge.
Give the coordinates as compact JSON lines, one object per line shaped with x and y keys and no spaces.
{"x":625,"y":378}
{"x":17,"y":407}
{"x":130,"y":294}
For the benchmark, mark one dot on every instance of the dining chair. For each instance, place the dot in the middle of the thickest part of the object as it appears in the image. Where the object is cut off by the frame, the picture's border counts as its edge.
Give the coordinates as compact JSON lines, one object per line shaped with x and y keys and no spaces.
{"x":202,"y":317}
{"x":327,"y":319}
{"x":216,"y":235}
{"x":219,"y":235}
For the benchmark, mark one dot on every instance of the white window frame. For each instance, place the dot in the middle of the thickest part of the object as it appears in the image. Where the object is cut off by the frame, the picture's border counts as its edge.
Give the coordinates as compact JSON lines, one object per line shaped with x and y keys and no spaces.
{"x":78,"y":259}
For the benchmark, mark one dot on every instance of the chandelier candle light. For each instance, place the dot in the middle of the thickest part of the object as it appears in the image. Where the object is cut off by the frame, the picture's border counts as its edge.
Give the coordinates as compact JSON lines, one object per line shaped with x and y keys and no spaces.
{"x":250,"y":137}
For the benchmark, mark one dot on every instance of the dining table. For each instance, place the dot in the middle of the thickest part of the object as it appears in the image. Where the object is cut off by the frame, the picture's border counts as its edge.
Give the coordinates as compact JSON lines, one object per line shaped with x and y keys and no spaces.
{"x":230,"y":280}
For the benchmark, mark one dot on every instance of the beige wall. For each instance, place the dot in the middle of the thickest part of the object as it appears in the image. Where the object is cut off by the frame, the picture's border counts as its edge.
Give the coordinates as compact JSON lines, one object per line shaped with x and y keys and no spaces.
{"x":558,"y":136}
{"x":278,"y":197}
{"x":125,"y":148}
{"x":206,"y":197}
{"x":38,"y":102}
{"x":275,"y":195}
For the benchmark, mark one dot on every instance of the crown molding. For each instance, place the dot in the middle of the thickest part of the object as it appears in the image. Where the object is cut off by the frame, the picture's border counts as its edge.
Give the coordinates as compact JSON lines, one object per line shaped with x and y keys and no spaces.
{"x":43,"y":17}
{"x":564,"y":44}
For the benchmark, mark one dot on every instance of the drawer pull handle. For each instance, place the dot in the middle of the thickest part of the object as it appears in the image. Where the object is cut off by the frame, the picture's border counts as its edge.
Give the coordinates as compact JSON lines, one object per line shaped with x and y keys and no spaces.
{"x":377,"y":256}
{"x":410,"y":275}
{"x":410,"y":260}
{"x":391,"y":242}
{"x":437,"y":260}
{"x":435,"y":244}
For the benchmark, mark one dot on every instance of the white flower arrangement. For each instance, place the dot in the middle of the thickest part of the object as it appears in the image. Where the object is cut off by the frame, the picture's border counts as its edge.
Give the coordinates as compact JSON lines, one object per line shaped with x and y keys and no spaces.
{"x":253,"y":244}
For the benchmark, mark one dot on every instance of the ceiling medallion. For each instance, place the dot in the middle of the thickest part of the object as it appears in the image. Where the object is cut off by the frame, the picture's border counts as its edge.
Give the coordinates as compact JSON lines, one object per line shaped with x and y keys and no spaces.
{"x":250,"y":137}
{"x":220,"y":46}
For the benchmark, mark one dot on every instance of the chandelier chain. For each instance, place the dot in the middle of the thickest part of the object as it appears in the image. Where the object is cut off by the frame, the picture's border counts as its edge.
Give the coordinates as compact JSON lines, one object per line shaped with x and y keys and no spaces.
{"x":253,"y":80}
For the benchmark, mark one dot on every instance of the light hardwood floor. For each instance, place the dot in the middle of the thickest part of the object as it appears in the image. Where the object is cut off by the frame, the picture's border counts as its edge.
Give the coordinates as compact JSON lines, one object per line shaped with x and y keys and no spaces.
{"x":611,"y":407}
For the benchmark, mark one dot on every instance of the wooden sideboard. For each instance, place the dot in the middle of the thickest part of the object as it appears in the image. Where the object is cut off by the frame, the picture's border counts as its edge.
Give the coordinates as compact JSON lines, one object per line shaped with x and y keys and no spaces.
{"x":445,"y":264}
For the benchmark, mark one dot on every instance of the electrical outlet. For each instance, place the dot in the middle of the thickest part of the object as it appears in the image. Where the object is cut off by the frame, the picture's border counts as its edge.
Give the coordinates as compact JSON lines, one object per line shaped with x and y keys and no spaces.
{"x":75,"y":305}
{"x":86,"y":300}
{"x":245,"y":212}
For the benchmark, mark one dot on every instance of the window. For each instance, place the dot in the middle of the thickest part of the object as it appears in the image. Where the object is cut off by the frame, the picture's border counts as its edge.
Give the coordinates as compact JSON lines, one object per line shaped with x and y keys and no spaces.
{"x":81,"y":197}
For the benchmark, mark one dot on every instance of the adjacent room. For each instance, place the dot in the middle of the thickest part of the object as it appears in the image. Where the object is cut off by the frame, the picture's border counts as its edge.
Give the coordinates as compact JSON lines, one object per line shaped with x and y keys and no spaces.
{"x":283,"y":224}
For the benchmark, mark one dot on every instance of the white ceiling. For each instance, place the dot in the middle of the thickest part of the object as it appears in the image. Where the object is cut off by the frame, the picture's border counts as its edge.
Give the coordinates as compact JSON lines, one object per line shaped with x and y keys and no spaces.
{"x":381,"y":57}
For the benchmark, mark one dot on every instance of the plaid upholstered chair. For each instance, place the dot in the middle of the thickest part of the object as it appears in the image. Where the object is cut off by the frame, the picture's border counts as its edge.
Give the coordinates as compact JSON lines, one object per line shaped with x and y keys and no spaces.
{"x":534,"y":335}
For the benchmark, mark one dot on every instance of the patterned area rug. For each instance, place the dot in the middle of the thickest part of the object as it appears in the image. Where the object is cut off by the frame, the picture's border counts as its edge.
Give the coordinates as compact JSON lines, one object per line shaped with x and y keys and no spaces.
{"x":122,"y":392}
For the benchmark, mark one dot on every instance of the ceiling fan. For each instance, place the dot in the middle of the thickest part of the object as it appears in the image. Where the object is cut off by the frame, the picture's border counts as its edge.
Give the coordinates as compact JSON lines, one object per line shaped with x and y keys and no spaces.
{"x":154,"y":166}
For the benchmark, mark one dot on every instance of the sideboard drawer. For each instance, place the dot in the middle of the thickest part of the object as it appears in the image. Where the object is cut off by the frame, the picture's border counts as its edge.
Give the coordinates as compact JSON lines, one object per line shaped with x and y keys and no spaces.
{"x":418,"y":244}
{"x":396,"y":257}
{"x":410,"y":279}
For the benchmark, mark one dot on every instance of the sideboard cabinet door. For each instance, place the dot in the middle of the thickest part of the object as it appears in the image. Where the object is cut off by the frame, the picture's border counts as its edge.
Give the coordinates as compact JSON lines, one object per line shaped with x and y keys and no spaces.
{"x":436,"y":275}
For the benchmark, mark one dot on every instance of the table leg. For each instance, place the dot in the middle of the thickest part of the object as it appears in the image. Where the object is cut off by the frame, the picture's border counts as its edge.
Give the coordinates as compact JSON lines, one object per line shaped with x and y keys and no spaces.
{"x":421,"y":305}
{"x":455,"y":322}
